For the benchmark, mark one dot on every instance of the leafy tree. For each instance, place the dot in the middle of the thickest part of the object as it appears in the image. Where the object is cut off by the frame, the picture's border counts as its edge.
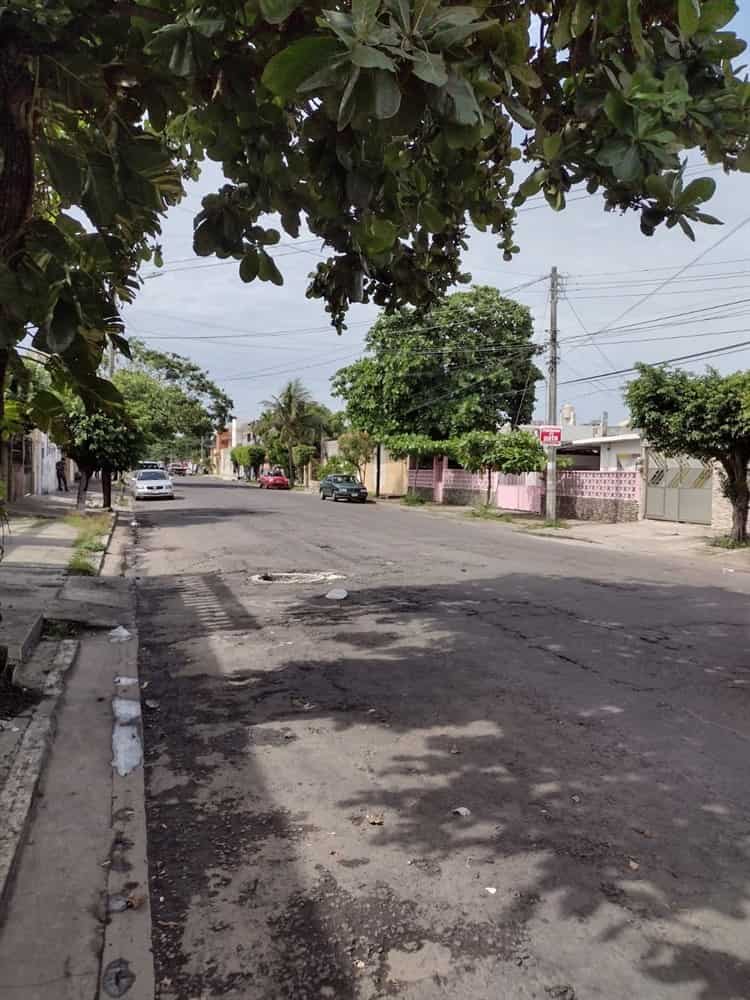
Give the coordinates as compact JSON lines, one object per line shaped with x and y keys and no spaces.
{"x":383,"y":128}
{"x":512,"y":453}
{"x":417,"y":446}
{"x":467,"y":364}
{"x":303,"y":454}
{"x":255,"y":457}
{"x":240,"y":456}
{"x":98,"y":442}
{"x":292,"y":419}
{"x":357,"y":447}
{"x":706,"y":416}
{"x":336,"y":465}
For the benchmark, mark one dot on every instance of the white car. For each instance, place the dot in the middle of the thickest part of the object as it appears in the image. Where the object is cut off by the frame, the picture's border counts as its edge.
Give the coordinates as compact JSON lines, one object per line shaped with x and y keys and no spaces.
{"x":152,"y":484}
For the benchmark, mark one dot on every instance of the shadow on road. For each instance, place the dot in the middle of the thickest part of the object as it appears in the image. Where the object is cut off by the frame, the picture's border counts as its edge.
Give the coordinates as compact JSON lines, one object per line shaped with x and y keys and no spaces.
{"x":592,"y":730}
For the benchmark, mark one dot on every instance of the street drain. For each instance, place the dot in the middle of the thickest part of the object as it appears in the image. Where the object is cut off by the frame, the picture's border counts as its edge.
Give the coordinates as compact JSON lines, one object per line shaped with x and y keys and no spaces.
{"x":296,"y":577}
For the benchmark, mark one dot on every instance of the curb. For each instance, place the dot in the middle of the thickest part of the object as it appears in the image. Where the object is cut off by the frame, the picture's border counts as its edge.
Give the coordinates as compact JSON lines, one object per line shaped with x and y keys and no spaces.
{"x":103,"y":554}
{"x":18,"y":792}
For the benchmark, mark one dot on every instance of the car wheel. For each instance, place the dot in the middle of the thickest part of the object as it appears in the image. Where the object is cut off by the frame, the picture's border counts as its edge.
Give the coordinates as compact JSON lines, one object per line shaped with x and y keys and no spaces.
{"x":322,"y":495}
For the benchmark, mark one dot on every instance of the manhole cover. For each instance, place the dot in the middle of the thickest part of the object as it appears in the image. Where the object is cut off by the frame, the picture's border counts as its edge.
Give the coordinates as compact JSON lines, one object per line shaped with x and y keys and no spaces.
{"x":296,"y":577}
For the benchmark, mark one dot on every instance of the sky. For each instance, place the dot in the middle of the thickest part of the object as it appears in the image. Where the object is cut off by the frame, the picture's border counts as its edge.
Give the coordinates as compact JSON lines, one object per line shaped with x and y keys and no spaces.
{"x":253,"y":338}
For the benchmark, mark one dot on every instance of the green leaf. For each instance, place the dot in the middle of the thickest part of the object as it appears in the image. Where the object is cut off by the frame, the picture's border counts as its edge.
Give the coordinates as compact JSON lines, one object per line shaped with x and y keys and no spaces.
{"x":431,"y":218}
{"x":249,"y":266}
{"x":64,"y":168}
{"x":552,"y":145}
{"x":519,"y":113}
{"x":658,"y":188}
{"x":628,"y":168}
{"x":561,"y":33}
{"x":526,"y":75}
{"x":689,"y":15}
{"x":686,"y":228}
{"x":297,"y":63}
{"x":457,"y":35}
{"x":701,"y":189}
{"x":387,"y":94}
{"x":347,"y":106}
{"x":267,"y":270}
{"x":364,"y":14}
{"x":209,"y":27}
{"x":636,"y":28}
{"x":715,"y":14}
{"x":375,"y":235}
{"x":100,"y":197}
{"x":618,"y":111}
{"x":366,"y":57}
{"x":204,"y":239}
{"x":430,"y":67}
{"x":182,"y":60}
{"x":708,"y":220}
{"x":581,"y":18}
{"x":277,"y":11}
{"x":63,"y":326}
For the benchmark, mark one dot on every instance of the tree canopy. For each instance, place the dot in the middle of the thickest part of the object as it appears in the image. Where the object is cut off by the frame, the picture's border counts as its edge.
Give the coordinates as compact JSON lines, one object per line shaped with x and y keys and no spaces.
{"x":513,"y":453}
{"x":382,"y":126}
{"x":467,"y":364}
{"x":172,"y":401}
{"x":707,"y":416}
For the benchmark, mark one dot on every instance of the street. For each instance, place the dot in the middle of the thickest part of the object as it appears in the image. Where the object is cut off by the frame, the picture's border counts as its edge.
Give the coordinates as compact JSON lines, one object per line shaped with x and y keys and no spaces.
{"x":586,"y":712}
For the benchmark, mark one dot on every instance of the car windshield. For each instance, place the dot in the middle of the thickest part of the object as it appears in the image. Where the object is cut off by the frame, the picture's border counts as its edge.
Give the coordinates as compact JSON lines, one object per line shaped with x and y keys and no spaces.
{"x":343,"y":479}
{"x":152,"y":474}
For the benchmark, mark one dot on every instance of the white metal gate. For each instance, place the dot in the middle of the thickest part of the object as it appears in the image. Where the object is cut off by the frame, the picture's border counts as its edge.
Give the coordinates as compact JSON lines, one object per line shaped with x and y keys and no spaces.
{"x":678,"y":488}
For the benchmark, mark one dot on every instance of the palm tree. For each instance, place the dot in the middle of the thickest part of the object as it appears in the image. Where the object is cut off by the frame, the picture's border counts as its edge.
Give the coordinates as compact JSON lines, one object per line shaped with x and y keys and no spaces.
{"x":294,"y":418}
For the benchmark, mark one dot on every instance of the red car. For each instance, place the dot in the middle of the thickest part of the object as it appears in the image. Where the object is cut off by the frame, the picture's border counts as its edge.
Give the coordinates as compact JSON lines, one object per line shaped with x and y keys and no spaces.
{"x":275,"y":480}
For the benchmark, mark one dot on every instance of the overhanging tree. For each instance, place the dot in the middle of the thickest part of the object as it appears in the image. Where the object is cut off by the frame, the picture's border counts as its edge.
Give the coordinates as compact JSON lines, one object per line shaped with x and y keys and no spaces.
{"x":511,"y":453}
{"x":706,"y":416}
{"x":356,"y":447}
{"x":382,"y":126}
{"x":466,"y":364}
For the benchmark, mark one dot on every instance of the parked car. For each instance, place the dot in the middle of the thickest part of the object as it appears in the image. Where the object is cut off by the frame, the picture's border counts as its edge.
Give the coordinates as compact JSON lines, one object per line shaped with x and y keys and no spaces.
{"x":274,"y":480}
{"x":341,"y":487}
{"x":178,"y":469}
{"x":152,"y":484}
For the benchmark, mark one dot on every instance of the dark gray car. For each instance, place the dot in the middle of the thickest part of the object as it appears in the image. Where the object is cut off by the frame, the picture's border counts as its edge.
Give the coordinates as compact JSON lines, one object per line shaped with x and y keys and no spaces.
{"x":342,"y":487}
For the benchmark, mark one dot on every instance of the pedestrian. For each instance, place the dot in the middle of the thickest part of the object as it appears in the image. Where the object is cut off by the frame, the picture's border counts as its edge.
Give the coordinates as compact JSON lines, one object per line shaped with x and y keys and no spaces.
{"x":62,"y":481}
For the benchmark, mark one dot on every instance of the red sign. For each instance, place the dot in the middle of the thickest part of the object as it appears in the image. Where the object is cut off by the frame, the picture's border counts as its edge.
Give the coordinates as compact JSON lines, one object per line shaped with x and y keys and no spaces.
{"x":550,"y":435}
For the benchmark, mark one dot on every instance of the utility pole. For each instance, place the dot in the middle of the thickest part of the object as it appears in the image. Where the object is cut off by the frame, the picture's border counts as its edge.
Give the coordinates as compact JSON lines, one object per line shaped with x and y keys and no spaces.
{"x":551,"y":504}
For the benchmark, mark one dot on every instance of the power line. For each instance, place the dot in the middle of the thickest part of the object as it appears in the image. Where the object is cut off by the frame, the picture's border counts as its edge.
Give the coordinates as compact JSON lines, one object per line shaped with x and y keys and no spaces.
{"x":730,"y":348}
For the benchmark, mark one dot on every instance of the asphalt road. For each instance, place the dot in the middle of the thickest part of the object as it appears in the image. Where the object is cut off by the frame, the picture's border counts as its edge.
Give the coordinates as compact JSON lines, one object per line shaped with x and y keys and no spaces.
{"x":588,"y":710}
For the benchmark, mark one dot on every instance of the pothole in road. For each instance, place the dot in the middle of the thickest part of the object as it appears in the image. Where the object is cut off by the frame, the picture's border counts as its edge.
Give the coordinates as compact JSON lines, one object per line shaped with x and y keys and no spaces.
{"x":296,"y":577}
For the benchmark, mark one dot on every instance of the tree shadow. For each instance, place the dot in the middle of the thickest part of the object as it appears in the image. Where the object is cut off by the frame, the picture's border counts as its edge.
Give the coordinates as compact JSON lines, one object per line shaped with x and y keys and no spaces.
{"x":592,"y":730}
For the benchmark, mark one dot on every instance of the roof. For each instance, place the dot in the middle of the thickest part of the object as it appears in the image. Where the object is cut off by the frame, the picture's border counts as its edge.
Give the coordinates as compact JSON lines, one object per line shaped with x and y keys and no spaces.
{"x":632,"y":436}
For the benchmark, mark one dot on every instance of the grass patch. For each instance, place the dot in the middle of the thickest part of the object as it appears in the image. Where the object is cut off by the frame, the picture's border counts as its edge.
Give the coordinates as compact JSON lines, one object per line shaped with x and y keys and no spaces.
{"x":413,"y":500}
{"x":725,"y":542}
{"x":79,"y":565}
{"x":487,"y":512}
{"x":90,"y":528}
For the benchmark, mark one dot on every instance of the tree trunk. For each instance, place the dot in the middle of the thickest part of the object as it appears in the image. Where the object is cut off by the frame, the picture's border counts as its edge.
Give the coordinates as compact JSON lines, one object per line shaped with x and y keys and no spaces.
{"x":291,"y":468}
{"x":410,"y":489}
{"x":489,"y":486}
{"x":107,"y":488}
{"x":737,"y":492}
{"x":16,"y":149}
{"x":83,"y":485}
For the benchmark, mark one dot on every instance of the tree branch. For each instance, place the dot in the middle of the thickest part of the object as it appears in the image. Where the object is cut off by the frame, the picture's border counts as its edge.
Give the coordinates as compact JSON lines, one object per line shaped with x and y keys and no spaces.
{"x":132,"y":9}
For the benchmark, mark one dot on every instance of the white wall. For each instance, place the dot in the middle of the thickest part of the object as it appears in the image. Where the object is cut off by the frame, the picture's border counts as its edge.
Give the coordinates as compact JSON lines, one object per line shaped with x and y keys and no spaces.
{"x":45,"y":457}
{"x":623,"y":455}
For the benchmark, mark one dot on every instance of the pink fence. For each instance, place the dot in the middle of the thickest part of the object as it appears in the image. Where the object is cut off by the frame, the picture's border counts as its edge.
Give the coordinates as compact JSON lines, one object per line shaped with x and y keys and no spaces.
{"x":619,"y":485}
{"x":422,"y":479}
{"x":526,"y":492}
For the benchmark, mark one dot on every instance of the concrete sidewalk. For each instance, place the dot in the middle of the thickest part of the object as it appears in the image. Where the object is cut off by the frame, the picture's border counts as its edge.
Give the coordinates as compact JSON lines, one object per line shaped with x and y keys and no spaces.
{"x":645,"y":537}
